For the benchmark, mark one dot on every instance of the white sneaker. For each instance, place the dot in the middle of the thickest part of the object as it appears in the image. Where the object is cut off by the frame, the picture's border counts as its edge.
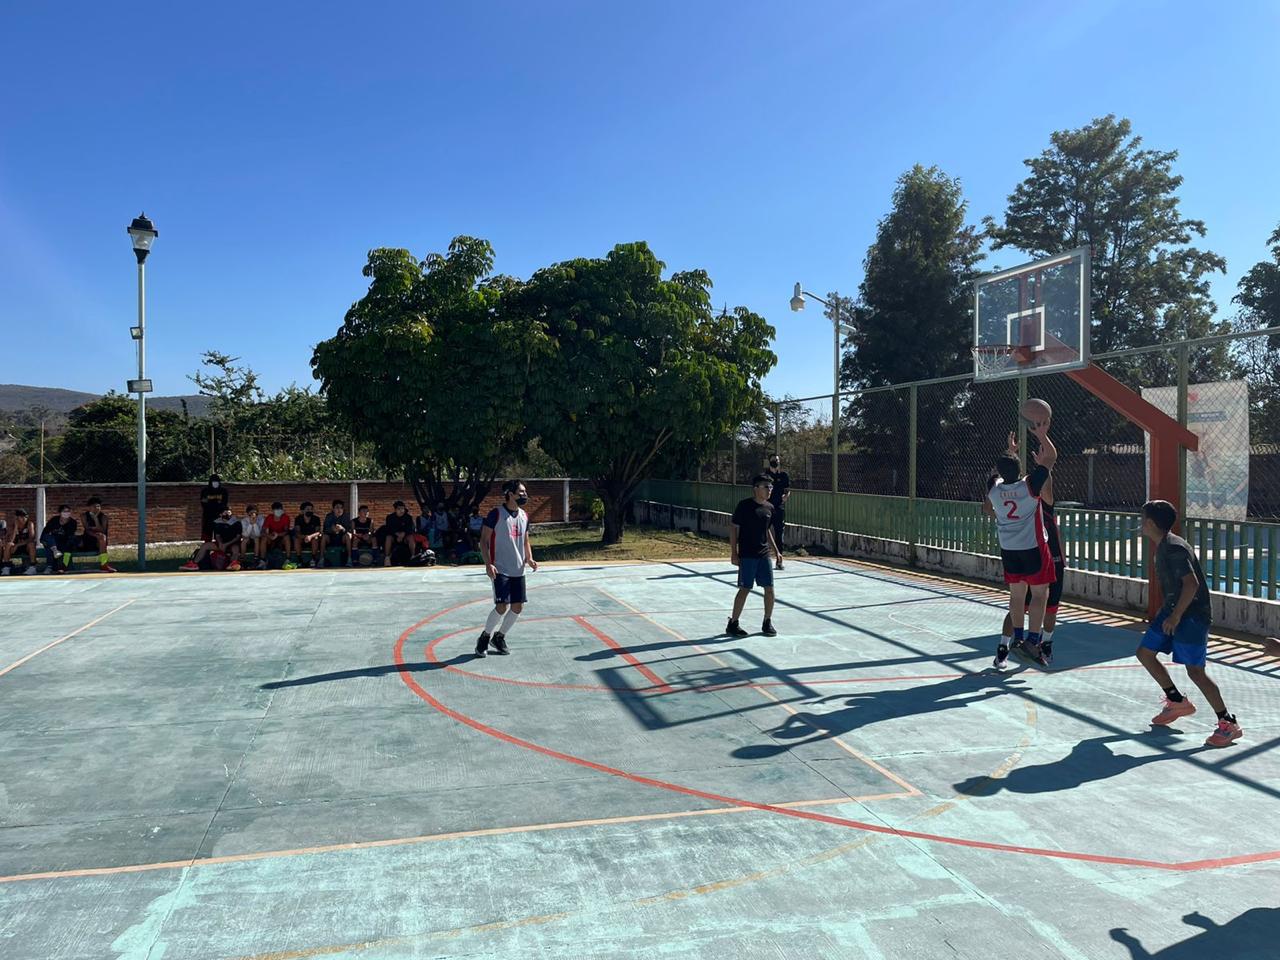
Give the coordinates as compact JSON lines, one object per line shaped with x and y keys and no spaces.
{"x":31,"y":568}
{"x":4,"y":572}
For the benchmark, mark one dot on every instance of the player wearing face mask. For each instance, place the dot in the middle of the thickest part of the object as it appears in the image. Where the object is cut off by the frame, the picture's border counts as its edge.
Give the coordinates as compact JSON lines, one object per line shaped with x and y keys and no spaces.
{"x":504,"y":544}
{"x":275,"y":532}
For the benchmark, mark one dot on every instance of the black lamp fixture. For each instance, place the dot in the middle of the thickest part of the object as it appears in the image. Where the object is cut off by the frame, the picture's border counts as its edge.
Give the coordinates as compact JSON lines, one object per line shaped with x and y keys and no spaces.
{"x":143,"y":232}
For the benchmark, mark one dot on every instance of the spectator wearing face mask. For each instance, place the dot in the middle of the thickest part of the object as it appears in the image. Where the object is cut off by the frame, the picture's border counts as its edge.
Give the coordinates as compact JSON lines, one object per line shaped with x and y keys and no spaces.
{"x":337,"y":530}
{"x":397,"y":533}
{"x":275,"y":533}
{"x":58,"y":538}
{"x":213,"y":500}
{"x":308,"y":533}
{"x":252,"y":525}
{"x":227,"y":534}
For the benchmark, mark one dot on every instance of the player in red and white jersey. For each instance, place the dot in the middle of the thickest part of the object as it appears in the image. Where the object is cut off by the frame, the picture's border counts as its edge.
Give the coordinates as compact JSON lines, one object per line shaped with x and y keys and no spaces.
{"x":1014,"y":501}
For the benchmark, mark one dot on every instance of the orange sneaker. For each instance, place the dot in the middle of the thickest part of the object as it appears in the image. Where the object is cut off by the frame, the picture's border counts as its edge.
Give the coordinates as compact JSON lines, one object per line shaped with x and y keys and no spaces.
{"x":1172,"y":711}
{"x":107,"y":568}
{"x":1228,"y":732}
{"x":190,"y":565}
{"x":234,"y":565}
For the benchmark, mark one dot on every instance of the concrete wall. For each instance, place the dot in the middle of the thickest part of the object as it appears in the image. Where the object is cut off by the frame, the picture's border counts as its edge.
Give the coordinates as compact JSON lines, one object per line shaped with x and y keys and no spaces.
{"x":173,"y":509}
{"x":1261,"y":617}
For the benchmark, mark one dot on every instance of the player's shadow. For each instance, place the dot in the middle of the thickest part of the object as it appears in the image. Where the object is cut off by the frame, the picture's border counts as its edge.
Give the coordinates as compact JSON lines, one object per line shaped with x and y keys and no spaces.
{"x":1088,"y":761}
{"x":379,"y":671}
{"x":1253,"y":935}
{"x":863,"y":709}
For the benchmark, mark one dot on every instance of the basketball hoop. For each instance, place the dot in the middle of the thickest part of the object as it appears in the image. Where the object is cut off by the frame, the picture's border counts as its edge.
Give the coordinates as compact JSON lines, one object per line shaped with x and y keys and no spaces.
{"x":992,"y":361}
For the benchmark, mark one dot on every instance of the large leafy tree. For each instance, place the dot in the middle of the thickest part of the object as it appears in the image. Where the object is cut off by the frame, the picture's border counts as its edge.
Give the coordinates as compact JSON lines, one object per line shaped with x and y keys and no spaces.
{"x":99,"y":444}
{"x":430,"y":372}
{"x":641,"y":371}
{"x":911,"y":321}
{"x":1258,"y":297}
{"x":1098,"y":187}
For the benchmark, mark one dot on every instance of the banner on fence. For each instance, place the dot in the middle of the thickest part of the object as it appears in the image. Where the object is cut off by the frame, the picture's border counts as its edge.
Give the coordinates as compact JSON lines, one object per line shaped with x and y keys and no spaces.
{"x":1217,"y":473}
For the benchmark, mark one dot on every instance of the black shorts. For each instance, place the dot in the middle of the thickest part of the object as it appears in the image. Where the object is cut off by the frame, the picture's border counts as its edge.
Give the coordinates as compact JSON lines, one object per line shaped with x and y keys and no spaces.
{"x":1033,"y":567}
{"x":1055,"y":588}
{"x":508,"y":589}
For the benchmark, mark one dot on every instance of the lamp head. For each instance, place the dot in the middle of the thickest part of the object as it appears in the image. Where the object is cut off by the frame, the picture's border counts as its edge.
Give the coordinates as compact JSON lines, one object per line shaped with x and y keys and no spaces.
{"x":143,"y":233}
{"x":797,"y":300}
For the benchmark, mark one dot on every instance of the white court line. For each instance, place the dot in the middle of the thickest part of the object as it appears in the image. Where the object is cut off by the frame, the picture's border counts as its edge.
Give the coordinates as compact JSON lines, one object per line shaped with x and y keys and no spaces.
{"x":75,"y":632}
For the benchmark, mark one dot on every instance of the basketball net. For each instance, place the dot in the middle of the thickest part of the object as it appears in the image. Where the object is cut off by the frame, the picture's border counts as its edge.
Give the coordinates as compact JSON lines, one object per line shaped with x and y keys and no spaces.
{"x":996,"y":360}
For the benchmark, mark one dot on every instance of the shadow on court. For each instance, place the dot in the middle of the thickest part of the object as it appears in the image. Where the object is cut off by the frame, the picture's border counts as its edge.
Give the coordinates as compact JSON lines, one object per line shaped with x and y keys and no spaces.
{"x":1088,"y":761}
{"x":379,"y":671}
{"x":863,"y":709}
{"x":1251,"y":936}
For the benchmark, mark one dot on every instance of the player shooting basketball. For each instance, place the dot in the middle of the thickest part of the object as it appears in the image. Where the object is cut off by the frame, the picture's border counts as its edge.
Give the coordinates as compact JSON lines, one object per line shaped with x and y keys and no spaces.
{"x":1014,"y":501}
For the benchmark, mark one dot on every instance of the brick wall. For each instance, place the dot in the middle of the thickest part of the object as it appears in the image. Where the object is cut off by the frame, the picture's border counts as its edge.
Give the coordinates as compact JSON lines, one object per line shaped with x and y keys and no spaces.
{"x":173,"y":509}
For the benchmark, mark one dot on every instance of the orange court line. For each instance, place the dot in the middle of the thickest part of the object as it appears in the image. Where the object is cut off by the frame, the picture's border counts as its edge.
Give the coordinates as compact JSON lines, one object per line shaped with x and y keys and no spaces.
{"x":425,"y":838}
{"x":759,"y":688}
{"x":659,"y":685}
{"x":75,"y":632}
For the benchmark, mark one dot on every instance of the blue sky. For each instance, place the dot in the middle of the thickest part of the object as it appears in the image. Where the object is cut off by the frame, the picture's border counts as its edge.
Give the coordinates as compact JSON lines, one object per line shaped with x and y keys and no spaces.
{"x":273,"y":144}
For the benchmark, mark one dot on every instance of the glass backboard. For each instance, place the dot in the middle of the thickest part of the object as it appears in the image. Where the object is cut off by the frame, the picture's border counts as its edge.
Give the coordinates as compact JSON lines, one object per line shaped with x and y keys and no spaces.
{"x":1032,"y":319}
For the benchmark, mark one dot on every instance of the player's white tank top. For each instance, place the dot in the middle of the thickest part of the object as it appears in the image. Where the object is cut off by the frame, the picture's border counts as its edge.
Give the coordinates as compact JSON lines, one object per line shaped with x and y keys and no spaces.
{"x":1019,"y":522}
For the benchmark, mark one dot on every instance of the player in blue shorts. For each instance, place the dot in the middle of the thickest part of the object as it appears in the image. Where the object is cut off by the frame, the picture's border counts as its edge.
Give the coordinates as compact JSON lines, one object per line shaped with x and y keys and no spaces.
{"x":504,"y":544}
{"x":1181,"y":627}
{"x":750,"y":542}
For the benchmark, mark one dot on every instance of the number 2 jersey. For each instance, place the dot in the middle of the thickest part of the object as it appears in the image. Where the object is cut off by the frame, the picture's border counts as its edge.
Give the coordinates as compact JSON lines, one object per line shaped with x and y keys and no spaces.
{"x":1020,"y":520}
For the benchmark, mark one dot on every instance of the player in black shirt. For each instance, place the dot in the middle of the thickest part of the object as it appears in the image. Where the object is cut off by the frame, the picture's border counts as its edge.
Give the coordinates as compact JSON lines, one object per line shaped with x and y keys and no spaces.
{"x":397,"y":530}
{"x":96,"y":529}
{"x":778,"y":497}
{"x":59,"y":537}
{"x":308,"y":532}
{"x":750,"y":540}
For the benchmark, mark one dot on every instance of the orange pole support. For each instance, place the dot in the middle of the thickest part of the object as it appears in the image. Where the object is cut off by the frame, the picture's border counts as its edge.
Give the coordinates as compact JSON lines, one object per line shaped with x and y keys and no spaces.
{"x":1167,"y":437}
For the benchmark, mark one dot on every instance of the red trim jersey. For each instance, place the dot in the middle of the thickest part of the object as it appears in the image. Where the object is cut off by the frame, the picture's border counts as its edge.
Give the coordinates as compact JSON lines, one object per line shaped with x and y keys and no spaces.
{"x":1019,"y":518}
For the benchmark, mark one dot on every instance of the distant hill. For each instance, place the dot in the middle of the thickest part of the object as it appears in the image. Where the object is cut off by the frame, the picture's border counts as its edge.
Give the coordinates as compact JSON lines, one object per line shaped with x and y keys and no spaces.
{"x":17,"y":398}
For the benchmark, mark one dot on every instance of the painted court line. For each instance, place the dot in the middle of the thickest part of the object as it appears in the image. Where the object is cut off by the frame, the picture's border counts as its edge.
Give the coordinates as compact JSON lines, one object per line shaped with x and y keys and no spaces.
{"x":425,"y":838}
{"x":75,"y":632}
{"x":411,"y":682}
{"x":659,"y":685}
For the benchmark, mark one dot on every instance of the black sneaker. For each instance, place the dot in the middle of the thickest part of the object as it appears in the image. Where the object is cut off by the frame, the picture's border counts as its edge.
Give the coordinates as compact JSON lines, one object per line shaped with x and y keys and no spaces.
{"x":500,"y":645}
{"x":1001,"y":661}
{"x":735,"y":630}
{"x":1046,"y":654}
{"x":767,"y":629}
{"x":482,"y":644}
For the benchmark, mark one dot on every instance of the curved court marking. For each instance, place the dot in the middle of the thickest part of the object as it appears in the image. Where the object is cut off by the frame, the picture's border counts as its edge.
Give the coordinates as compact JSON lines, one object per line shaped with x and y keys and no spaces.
{"x":75,"y":632}
{"x":478,"y":725}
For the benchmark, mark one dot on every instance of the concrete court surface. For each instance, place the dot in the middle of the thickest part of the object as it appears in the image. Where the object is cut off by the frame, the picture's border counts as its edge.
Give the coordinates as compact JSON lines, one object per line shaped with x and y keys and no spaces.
{"x":288,"y":766}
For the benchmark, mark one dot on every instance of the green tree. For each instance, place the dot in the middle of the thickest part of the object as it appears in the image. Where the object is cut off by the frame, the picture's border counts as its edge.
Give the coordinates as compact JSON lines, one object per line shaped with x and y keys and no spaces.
{"x":99,"y":444}
{"x":430,"y":371}
{"x":641,"y":370}
{"x":1099,"y":187}
{"x":912,"y":319}
{"x":1258,"y":298}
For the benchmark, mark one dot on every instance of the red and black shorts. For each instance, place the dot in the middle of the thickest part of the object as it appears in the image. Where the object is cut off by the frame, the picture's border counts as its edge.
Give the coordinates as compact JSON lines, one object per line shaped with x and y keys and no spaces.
{"x":1055,"y":588}
{"x":1033,"y":567}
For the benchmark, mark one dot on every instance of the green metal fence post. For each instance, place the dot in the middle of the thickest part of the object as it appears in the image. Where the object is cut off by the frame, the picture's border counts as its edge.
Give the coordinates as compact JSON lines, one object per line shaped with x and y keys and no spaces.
{"x":912,"y":435}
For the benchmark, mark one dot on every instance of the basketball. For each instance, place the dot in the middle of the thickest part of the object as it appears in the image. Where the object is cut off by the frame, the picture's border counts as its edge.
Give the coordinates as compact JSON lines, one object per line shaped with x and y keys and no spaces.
{"x":1035,"y":411}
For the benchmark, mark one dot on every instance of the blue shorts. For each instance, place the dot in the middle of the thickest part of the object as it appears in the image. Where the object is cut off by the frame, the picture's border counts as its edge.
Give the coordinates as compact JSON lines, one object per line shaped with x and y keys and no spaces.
{"x":753,"y":571}
{"x":1189,"y":643}
{"x":508,"y":589}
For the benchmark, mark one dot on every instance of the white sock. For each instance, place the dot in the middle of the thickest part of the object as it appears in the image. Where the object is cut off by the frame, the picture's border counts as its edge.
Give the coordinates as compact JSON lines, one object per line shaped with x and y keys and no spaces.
{"x":509,"y":621}
{"x":491,"y":623}
{"x":1047,"y":637}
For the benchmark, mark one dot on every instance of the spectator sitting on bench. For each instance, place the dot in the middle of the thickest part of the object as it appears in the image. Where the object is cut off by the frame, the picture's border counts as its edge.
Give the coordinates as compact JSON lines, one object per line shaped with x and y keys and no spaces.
{"x":397,"y":530}
{"x":95,"y":533}
{"x":308,"y":534}
{"x":275,"y":534}
{"x":227,"y":534}
{"x":59,"y":537}
{"x":19,"y":538}
{"x":441,"y":524}
{"x":362,"y":537}
{"x":252,"y":526}
{"x":475,"y":524}
{"x":337,"y":530}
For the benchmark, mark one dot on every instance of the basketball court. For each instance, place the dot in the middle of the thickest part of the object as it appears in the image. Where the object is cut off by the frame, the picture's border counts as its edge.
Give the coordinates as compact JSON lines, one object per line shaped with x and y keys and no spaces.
{"x":265,"y":765}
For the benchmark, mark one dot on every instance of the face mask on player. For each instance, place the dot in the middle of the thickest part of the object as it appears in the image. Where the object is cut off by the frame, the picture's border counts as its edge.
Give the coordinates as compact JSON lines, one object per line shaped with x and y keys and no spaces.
{"x":278,"y":513}
{"x":521,"y":501}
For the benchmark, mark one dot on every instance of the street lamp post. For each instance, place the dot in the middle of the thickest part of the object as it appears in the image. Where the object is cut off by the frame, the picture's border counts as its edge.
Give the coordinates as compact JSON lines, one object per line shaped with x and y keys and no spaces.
{"x":143,"y":234}
{"x":797,"y":305}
